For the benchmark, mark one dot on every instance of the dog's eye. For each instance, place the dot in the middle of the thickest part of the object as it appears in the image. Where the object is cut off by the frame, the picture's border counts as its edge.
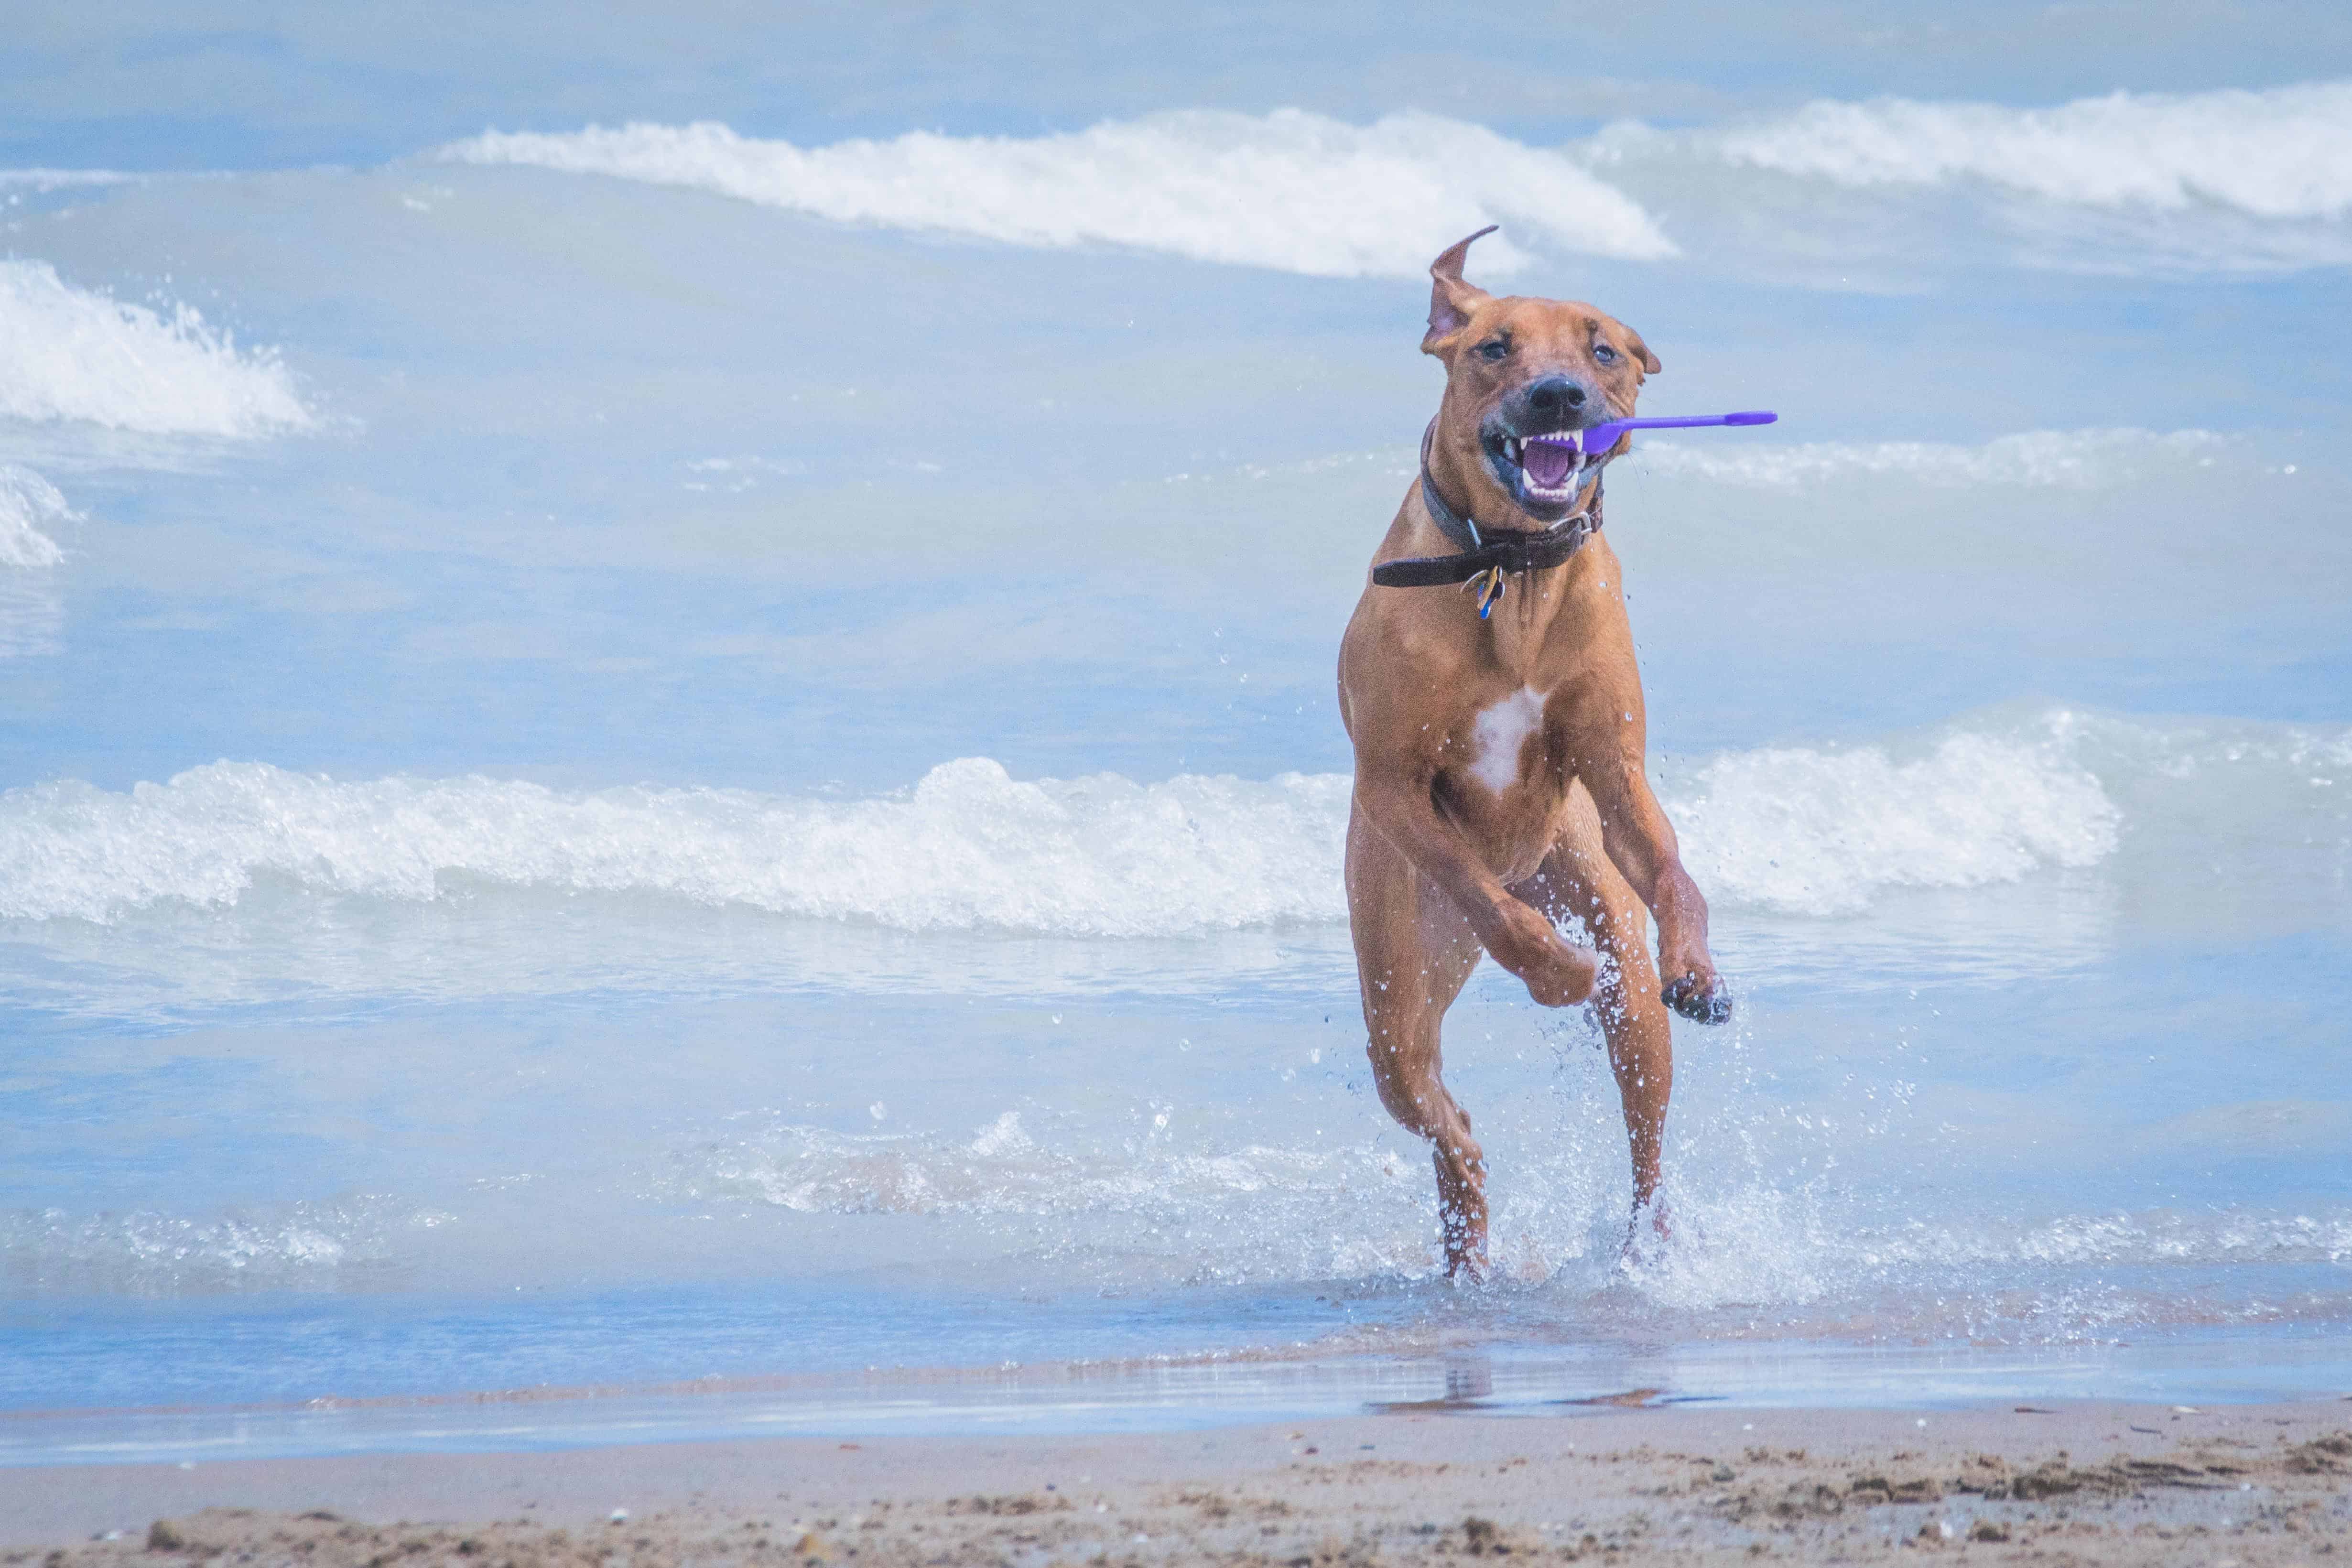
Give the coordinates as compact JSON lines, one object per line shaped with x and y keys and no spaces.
{"x":1493,"y":349}
{"x":1604,"y":353}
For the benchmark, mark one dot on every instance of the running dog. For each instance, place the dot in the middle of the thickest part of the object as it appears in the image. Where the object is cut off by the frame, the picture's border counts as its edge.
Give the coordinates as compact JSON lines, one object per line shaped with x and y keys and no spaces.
{"x":1498,"y":732}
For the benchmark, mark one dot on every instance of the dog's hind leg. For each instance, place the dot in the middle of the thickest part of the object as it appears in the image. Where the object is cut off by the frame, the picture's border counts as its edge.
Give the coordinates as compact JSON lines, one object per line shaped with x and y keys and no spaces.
{"x":1413,"y":951}
{"x":1579,"y":879}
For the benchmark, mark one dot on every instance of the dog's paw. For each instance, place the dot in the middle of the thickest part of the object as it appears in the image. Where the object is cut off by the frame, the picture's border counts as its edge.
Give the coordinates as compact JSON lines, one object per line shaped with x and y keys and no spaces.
{"x":1705,"y":1000}
{"x":1468,"y":1268}
{"x":1563,"y":975}
{"x":1558,"y":973}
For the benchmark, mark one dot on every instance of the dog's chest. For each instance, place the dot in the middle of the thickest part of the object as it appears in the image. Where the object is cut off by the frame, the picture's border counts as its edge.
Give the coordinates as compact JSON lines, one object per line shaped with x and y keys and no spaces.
{"x":1499,"y":754}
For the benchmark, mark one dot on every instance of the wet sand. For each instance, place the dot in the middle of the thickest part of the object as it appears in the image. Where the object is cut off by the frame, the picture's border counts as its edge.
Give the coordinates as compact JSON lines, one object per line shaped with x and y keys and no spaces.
{"x":2248,"y":1485}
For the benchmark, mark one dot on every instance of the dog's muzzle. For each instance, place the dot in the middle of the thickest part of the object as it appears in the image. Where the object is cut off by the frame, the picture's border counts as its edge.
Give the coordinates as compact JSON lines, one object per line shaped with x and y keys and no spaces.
{"x":1534,"y":444}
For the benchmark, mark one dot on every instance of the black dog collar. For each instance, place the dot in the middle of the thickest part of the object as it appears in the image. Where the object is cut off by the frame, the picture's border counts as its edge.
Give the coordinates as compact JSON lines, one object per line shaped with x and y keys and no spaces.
{"x":1491,"y":555}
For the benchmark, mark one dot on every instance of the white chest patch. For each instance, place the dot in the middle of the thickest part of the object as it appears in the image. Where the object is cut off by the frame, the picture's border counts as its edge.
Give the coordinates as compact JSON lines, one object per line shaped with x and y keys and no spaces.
{"x":1500,"y":735}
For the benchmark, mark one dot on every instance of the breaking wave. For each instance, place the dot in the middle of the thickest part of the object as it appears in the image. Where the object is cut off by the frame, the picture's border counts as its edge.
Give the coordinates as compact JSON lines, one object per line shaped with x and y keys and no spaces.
{"x":1290,"y":189}
{"x":1804,"y":829}
{"x":1821,"y":831}
{"x":969,"y":847}
{"x":2283,"y":153}
{"x":2139,"y":183}
{"x":77,"y":355}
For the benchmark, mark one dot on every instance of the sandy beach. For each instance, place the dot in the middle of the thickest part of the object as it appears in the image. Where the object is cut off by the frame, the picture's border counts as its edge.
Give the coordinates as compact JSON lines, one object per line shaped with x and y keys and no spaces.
{"x":2245,"y":1485}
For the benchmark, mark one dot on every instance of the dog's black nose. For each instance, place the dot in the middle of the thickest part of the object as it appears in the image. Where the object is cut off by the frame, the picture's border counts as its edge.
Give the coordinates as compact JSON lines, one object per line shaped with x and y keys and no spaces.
{"x":1554,"y":398}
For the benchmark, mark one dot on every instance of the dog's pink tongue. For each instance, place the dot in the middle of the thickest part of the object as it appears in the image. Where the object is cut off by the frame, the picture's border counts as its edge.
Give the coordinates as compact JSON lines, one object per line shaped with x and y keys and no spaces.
{"x":1548,"y":462}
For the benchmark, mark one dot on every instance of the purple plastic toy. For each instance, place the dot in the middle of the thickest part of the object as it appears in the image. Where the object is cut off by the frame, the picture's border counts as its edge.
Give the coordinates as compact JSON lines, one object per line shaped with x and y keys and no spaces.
{"x":1601,"y":437}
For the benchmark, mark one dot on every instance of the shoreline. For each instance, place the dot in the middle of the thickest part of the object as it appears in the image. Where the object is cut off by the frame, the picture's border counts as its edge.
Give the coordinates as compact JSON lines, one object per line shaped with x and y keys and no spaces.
{"x":1171,"y":1394}
{"x":2106,"y":1482}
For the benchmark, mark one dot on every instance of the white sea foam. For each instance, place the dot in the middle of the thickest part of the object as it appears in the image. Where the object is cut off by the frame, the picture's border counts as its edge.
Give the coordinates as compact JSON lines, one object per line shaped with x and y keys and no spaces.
{"x":1318,"y":1211}
{"x":297,"y":1245}
{"x":2282,"y":153}
{"x":1821,"y":831}
{"x":2065,"y":459}
{"x":1805,"y":829}
{"x":1289,"y":190}
{"x":970,"y":846}
{"x":29,"y":505}
{"x":70,"y":354}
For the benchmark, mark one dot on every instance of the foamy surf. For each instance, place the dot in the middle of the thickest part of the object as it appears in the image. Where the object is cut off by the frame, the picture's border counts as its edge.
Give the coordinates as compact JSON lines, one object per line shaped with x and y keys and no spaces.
{"x":1821,"y":832}
{"x":970,"y":846}
{"x":77,"y":355}
{"x":1804,"y":829}
{"x":1290,"y":189}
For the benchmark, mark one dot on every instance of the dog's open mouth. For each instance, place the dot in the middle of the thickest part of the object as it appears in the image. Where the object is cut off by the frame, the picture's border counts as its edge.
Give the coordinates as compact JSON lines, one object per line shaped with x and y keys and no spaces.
{"x":1552,"y":467}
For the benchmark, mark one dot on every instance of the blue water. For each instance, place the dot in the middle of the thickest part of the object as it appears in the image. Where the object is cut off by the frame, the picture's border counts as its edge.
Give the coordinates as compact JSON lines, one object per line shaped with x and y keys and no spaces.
{"x":671,"y":755}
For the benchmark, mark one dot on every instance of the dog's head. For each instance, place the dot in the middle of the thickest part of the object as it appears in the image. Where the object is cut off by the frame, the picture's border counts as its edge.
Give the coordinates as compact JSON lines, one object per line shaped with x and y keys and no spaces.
{"x":1522,"y":379}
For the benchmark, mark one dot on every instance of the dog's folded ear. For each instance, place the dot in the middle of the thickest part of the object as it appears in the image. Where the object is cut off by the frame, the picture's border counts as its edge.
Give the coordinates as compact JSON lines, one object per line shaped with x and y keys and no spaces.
{"x":1451,"y":300}
{"x":1650,"y":365}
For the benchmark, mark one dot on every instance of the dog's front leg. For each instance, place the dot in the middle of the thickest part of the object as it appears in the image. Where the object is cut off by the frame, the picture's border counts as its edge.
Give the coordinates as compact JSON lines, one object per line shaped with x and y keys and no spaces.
{"x":1641,"y":842}
{"x":1404,"y":807}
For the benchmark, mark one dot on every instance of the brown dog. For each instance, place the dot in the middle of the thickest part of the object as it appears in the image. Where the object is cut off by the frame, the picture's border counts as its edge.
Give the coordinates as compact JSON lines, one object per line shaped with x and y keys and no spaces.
{"x":1499,"y":782}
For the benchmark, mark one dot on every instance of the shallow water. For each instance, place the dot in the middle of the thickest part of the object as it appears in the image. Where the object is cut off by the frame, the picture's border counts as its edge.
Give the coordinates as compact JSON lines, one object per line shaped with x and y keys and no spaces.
{"x":505,"y":885}
{"x":1540,"y":1381}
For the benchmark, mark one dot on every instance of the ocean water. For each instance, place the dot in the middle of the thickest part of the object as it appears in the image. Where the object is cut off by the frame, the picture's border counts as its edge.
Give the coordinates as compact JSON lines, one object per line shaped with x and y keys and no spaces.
{"x":657,"y":744}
